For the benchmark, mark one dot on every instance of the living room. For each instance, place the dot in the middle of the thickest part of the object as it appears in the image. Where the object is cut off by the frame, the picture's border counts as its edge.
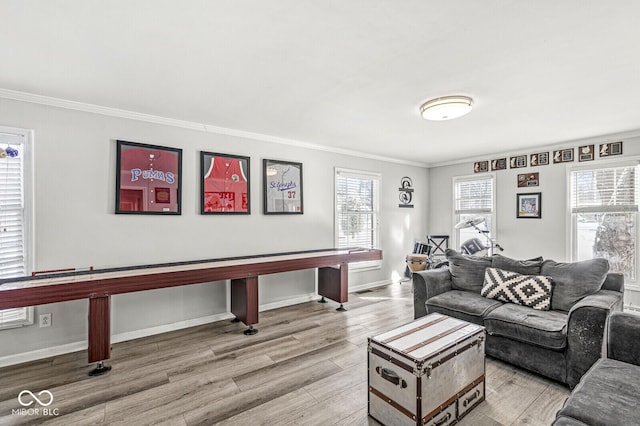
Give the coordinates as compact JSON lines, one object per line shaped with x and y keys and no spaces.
{"x":241,"y":81}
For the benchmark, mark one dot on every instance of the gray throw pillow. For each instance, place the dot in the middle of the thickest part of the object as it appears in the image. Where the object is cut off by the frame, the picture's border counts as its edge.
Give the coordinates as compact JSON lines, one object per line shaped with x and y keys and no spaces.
{"x":467,"y":272}
{"x":574,"y":281}
{"x":524,"y":267}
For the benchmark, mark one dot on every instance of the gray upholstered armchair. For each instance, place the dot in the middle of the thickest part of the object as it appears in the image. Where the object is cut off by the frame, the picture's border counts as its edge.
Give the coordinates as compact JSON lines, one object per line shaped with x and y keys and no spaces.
{"x":608,"y":393}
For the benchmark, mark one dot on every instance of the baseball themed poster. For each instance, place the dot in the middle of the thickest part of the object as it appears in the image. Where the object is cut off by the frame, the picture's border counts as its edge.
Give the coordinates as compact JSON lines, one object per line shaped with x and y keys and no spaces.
{"x":225,"y":183}
{"x":282,"y":187}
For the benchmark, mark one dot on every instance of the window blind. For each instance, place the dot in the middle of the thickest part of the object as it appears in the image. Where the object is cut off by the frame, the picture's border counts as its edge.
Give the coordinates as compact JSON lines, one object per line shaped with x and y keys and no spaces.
{"x":473,"y":196}
{"x":604,"y":190}
{"x":356,"y":209}
{"x":12,"y":229}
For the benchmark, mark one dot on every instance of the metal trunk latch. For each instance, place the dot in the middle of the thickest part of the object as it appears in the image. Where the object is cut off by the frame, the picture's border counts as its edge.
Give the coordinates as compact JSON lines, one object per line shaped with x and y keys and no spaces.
{"x":428,"y":371}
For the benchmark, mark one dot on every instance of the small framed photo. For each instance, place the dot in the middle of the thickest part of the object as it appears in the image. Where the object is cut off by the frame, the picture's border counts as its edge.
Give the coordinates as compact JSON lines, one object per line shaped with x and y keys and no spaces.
{"x":148,"y":179}
{"x":282,"y":187}
{"x":529,"y":206}
{"x":613,"y":148}
{"x":586,"y":153}
{"x":539,"y":159}
{"x":518,"y":162}
{"x":480,"y":166}
{"x":225,"y":184}
{"x":526,"y":180}
{"x":499,"y":164}
{"x":563,"y":155}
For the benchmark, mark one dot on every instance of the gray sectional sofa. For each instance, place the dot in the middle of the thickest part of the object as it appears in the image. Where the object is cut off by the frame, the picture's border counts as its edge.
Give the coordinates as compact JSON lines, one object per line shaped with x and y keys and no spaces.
{"x":608,"y":393}
{"x":561,"y":343}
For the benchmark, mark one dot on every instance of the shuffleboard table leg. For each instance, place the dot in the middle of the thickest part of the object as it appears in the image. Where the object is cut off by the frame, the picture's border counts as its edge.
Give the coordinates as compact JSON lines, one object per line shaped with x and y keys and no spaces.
{"x":323,"y":300}
{"x":333,"y":283}
{"x":99,"y":332}
{"x":244,"y":302}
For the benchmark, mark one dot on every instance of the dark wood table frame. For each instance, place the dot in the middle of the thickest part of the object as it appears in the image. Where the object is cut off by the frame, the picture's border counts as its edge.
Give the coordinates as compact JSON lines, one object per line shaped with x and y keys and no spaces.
{"x":99,"y":285}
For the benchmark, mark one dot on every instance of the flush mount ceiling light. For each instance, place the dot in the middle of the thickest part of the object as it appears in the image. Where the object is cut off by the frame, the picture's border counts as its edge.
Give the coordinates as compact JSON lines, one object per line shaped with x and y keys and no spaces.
{"x":446,"y":107}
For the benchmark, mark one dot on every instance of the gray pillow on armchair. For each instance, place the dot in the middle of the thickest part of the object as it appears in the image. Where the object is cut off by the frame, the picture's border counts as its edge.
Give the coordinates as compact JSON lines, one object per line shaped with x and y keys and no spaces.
{"x":574,"y":281}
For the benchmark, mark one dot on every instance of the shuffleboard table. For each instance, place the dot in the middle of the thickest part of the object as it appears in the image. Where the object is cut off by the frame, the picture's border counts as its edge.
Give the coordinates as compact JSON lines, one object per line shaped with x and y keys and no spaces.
{"x":98,"y":285}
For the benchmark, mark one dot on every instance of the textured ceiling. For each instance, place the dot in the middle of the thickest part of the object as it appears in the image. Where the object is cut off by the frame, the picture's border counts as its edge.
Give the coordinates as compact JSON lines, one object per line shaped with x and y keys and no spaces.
{"x":348,"y":75}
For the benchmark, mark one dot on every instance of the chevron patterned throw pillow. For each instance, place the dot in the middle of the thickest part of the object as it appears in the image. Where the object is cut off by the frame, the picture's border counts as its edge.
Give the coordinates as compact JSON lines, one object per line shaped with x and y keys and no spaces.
{"x":527,"y":290}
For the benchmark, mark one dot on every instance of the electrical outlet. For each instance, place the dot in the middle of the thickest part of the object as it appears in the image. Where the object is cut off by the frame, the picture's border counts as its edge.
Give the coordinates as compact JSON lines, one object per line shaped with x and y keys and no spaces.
{"x":45,"y":320}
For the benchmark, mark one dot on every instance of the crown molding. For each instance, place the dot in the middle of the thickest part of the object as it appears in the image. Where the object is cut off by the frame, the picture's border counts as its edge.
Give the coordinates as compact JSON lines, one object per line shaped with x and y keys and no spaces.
{"x":184,"y":124}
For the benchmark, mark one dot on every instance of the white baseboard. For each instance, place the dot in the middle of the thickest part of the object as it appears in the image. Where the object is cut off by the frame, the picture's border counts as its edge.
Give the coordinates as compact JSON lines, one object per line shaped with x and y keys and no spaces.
{"x":367,"y":286}
{"x":288,"y":302}
{"x":165,"y":328}
{"x":68,"y":348}
{"x":632,"y":309}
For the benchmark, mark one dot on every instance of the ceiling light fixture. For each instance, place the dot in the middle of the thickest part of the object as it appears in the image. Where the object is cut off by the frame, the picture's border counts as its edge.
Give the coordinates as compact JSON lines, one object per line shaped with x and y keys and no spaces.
{"x":446,"y":107}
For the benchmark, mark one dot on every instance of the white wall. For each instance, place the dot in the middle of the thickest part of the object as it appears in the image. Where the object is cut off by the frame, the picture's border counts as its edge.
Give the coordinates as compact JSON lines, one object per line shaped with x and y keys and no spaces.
{"x":76,"y":225}
{"x":523,"y":238}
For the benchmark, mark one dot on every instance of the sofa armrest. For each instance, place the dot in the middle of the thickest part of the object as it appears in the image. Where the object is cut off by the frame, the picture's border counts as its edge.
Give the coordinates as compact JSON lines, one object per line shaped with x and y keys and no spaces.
{"x":427,"y":284}
{"x":623,"y":337}
{"x":614,"y":281}
{"x":585,"y":331}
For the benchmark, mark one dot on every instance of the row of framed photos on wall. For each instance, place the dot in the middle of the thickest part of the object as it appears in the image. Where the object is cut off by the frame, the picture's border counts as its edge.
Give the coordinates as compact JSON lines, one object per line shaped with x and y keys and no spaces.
{"x":585,"y":153}
{"x":149,"y":181}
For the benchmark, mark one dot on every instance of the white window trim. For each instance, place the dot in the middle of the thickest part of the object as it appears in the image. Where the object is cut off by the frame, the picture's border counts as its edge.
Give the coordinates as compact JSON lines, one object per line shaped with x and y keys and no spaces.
{"x":454,"y":243}
{"x":632,"y":160}
{"x":27,"y":137}
{"x":358,"y":266}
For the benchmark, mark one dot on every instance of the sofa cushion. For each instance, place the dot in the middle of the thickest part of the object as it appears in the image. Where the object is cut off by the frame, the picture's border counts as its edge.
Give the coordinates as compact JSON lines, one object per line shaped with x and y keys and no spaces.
{"x":533,"y":291}
{"x":541,"y":328}
{"x":467,"y":272}
{"x":461,"y":304}
{"x":574,"y":281}
{"x":524,"y":267}
{"x":606,"y":395}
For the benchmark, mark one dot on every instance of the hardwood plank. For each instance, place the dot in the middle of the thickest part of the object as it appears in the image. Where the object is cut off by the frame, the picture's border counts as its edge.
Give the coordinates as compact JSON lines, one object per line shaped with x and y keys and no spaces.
{"x":277,"y":411}
{"x":258,"y":393}
{"x":89,"y":416}
{"x":544,"y":407}
{"x":169,"y":401}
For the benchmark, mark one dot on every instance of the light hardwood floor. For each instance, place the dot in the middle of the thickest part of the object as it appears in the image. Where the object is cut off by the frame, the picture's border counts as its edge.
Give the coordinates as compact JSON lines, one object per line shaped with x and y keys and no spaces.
{"x":306,"y":366}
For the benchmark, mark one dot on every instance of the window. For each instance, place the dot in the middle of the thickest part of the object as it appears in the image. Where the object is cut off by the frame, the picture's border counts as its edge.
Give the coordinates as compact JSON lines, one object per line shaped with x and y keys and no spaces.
{"x":604,"y":216}
{"x":356,"y":209}
{"x":15,"y":215}
{"x":474,"y":204}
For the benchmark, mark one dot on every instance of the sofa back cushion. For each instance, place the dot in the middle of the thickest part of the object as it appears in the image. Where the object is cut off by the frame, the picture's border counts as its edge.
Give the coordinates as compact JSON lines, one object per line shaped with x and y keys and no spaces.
{"x":574,"y":281}
{"x":533,"y":291}
{"x":467,"y":272}
{"x":524,"y":267}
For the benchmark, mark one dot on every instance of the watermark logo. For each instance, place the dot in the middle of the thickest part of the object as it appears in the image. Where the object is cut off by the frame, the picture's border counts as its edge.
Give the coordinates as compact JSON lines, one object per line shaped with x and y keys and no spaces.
{"x":26,"y":402}
{"x":35,"y":404}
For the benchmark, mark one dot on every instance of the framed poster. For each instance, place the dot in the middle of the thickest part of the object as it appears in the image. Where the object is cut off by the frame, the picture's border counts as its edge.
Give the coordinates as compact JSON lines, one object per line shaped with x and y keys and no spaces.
{"x":282,"y":187}
{"x":148,"y":179}
{"x":586,"y":153}
{"x":224,"y":183}
{"x":529,"y":206}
